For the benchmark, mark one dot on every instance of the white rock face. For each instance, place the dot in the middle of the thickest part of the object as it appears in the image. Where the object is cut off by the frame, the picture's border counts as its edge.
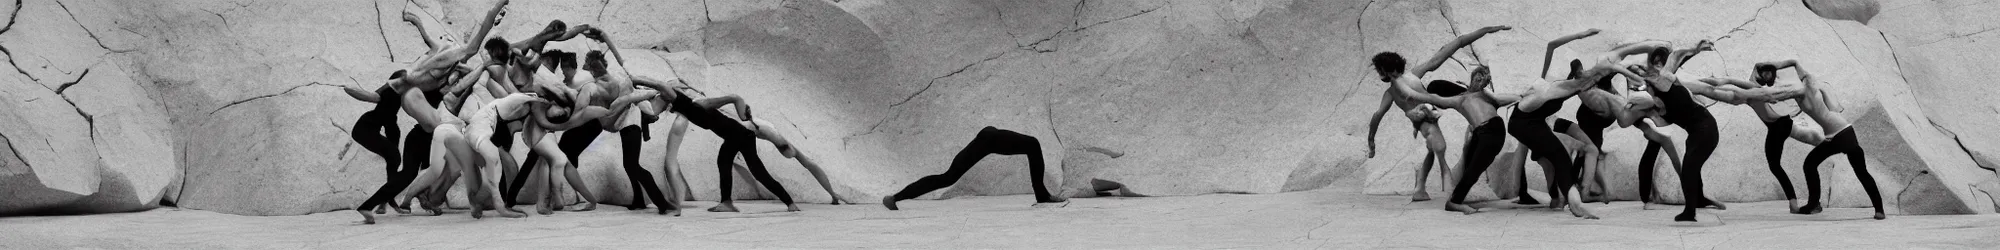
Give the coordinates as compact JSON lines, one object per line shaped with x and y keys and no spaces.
{"x":235,"y":107}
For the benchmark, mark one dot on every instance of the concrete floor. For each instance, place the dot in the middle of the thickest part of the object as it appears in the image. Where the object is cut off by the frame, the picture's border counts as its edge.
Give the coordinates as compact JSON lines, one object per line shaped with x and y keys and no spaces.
{"x":1334,"y":218}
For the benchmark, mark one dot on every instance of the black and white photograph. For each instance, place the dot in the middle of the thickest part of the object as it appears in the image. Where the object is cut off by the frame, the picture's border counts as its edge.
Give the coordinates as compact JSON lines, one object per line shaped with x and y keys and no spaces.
{"x":999,"y":124}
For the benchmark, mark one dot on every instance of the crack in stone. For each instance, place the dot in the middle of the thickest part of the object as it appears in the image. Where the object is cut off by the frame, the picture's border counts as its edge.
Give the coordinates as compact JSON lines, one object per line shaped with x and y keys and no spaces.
{"x":927,"y":86}
{"x":1739,"y":27}
{"x":3,"y":49}
{"x":88,"y":119}
{"x":1142,"y":12}
{"x":1444,"y":10}
{"x":607,"y":4}
{"x":86,"y":30}
{"x":1955,"y":35}
{"x":287,"y":91}
{"x":384,"y":32}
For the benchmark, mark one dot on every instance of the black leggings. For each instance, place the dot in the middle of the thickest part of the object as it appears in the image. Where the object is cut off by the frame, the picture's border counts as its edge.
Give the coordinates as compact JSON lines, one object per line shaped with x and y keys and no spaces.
{"x":1841,"y":143}
{"x":377,"y":133}
{"x":1701,"y":142}
{"x":416,"y":157}
{"x":989,"y":141}
{"x":572,"y":143}
{"x":638,"y":175}
{"x":744,"y":141}
{"x":1774,"y":149}
{"x":1533,"y":133}
{"x":1482,"y":145}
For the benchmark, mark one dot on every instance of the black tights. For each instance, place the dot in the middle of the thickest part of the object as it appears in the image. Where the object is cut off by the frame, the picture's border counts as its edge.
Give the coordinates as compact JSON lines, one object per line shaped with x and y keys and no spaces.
{"x":989,"y":141}
{"x":1485,"y":143}
{"x":1841,"y":143}
{"x":638,"y":175}
{"x":416,"y":157}
{"x":1533,"y":133}
{"x":1774,"y":149}
{"x":377,"y":133}
{"x":744,"y":142}
{"x":1701,"y":141}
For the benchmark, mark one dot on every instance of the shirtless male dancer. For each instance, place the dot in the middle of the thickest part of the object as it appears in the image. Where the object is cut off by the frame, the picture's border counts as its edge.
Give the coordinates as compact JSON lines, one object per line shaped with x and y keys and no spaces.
{"x":1814,"y":103}
{"x":418,"y":85}
{"x":1423,"y":118}
{"x":1486,"y":134}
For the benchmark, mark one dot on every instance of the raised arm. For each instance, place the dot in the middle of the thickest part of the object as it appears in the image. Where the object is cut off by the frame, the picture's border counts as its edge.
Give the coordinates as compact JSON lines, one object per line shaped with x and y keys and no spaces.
{"x":1445,"y":52}
{"x":1550,"y":54}
{"x":465,"y":51}
{"x":1681,"y":56}
{"x":596,"y":34}
{"x":1717,"y":81}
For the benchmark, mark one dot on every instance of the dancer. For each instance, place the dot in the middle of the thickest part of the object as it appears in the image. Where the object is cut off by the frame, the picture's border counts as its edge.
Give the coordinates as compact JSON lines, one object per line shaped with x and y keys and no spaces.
{"x":989,"y":141}
{"x":1423,"y":119}
{"x":764,"y":131}
{"x":1486,"y":132}
{"x":376,"y":131}
{"x":1681,"y":110}
{"x":585,"y":126}
{"x":1814,"y":103}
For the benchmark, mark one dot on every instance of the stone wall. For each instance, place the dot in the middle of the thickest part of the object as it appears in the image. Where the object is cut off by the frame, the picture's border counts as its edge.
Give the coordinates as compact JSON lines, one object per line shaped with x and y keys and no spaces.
{"x":234,"y":106}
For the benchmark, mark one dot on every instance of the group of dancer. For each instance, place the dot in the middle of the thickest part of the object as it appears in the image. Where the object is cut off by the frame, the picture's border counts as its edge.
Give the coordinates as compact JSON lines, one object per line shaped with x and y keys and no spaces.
{"x":1653,"y":96}
{"x":536,"y":92}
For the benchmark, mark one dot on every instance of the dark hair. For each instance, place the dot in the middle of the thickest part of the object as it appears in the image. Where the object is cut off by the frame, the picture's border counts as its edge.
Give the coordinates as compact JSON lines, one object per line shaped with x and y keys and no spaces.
{"x":1575,"y":68}
{"x":568,"y":61}
{"x":1444,"y":88}
{"x":1659,"y":56}
{"x":552,"y":59}
{"x":1765,"y":68}
{"x":1389,"y":61}
{"x":594,"y":62}
{"x":398,"y":74}
{"x":556,"y":26}
{"x":499,"y":49}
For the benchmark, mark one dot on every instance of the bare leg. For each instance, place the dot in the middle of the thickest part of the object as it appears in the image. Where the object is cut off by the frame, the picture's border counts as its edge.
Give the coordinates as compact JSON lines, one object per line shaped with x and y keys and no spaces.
{"x":465,"y":154}
{"x":821,"y":176}
{"x":1576,"y":205}
{"x":549,"y":151}
{"x":674,"y":136}
{"x":1434,"y":142}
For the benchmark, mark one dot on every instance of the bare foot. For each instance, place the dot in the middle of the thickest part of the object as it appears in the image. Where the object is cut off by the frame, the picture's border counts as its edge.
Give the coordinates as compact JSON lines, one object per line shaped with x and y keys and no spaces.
{"x":382,"y":209}
{"x":405,"y":209}
{"x":516,"y":210}
{"x":676,"y":212}
{"x":478,"y":213}
{"x":1421,"y":196}
{"x":588,"y":206}
{"x":1881,"y":216}
{"x":1578,"y":211}
{"x":1794,"y":207}
{"x":370,"y":218}
{"x":1809,"y":208}
{"x":791,"y":208}
{"x":723,"y":207}
{"x":1460,"y":208}
{"x":544,"y":209}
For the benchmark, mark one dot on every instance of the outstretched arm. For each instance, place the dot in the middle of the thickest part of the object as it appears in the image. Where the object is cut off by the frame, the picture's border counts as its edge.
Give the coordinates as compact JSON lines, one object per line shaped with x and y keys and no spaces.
{"x":1445,"y":52}
{"x":1639,"y":48}
{"x":466,"y":51}
{"x":1375,"y":121}
{"x":742,"y":108}
{"x":1553,"y":44}
{"x":597,"y":34}
{"x":537,"y":41}
{"x":364,"y":95}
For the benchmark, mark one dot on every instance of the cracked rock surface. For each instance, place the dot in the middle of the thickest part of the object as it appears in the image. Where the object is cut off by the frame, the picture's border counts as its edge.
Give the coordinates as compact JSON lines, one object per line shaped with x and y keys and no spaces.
{"x":235,"y":107}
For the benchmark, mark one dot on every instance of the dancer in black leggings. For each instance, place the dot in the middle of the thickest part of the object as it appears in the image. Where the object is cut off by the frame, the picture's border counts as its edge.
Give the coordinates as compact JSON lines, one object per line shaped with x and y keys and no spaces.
{"x":1682,"y":110}
{"x":376,"y":131}
{"x":1486,"y":135}
{"x":989,"y":141}
{"x":1814,"y":103}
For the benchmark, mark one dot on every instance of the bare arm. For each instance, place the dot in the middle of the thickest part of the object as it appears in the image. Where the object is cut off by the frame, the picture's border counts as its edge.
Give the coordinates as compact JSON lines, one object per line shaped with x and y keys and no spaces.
{"x":1639,"y":48}
{"x":1666,"y":143}
{"x":1680,"y":57}
{"x":363,"y":95}
{"x":598,"y":34}
{"x":742,"y":108}
{"x":465,"y":51}
{"x":1445,"y":52}
{"x":1559,"y":42}
{"x":1716,"y":81}
{"x":1375,"y":121}
{"x":1433,"y":99}
{"x":576,"y":118}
